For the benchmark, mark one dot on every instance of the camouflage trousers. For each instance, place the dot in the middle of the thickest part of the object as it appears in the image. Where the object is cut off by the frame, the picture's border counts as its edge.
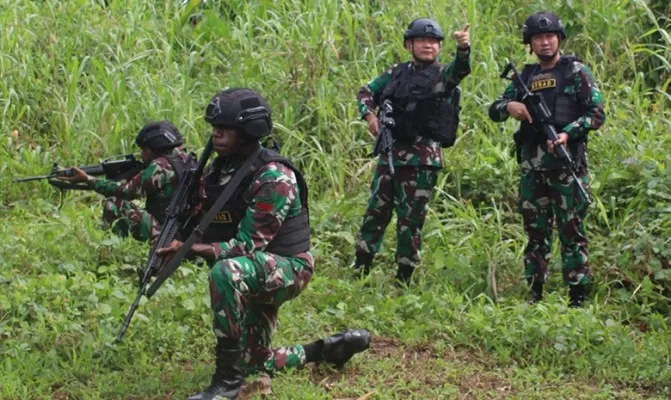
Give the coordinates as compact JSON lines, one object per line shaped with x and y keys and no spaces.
{"x":546,"y":196}
{"x":408,"y":193}
{"x":126,"y":218}
{"x":246,"y":294}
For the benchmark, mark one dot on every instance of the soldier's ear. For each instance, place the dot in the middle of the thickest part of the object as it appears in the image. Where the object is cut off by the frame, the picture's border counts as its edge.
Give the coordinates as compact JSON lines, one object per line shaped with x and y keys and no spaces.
{"x":408,"y":45}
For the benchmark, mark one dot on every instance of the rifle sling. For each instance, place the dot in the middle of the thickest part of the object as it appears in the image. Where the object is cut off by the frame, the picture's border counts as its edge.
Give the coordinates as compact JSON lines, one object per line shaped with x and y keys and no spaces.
{"x":197,"y":233}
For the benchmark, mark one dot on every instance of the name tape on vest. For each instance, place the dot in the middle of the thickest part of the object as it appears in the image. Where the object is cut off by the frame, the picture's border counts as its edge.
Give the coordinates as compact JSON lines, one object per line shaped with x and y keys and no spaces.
{"x":543,"y":84}
{"x":223,"y":217}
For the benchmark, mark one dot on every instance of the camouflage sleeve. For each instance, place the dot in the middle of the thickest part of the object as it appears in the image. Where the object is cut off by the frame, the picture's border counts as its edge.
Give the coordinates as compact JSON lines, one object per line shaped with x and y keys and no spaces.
{"x":369,"y":96}
{"x":274,"y":196}
{"x":458,"y":69}
{"x":591,"y":99}
{"x":153,"y":178}
{"x":498,"y":111}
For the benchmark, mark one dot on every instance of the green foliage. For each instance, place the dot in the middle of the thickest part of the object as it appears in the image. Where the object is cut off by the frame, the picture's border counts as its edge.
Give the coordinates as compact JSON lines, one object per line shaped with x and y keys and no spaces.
{"x":79,"y":78}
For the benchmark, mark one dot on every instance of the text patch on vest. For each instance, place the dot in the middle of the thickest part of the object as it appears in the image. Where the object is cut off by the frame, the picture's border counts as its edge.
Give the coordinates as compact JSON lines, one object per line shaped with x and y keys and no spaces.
{"x":543,"y":84}
{"x":223,"y":217}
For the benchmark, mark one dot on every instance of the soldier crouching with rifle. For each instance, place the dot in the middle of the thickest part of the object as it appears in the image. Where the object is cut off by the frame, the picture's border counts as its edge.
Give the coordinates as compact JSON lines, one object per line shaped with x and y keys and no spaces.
{"x":164,"y":164}
{"x":557,"y":94}
{"x":255,"y":235}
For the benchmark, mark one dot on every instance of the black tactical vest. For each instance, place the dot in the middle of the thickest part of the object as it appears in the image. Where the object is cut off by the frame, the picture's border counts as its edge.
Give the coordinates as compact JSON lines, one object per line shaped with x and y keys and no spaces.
{"x":550,"y":84}
{"x":294,"y":234}
{"x":420,"y":106}
{"x":156,"y":205}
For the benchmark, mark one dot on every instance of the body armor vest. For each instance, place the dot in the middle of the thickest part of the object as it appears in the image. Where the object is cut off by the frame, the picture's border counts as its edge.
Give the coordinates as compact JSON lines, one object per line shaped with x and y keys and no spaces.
{"x":565,"y":108}
{"x":294,"y":234}
{"x":156,"y":205}
{"x":420,"y":107}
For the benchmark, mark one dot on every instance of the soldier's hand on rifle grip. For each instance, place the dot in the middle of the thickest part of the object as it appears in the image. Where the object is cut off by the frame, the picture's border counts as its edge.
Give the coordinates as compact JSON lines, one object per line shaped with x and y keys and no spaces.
{"x":519,"y":111}
{"x":168,"y":252}
{"x":563,"y":139}
{"x":373,"y":124}
{"x":76,"y":175}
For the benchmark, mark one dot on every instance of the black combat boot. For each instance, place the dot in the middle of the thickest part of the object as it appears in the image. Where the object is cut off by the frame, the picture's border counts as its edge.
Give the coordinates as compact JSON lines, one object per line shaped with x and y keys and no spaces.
{"x":404,"y":274}
{"x":576,"y":295}
{"x":339,"y":348}
{"x":229,"y":374}
{"x":536,"y":292}
{"x":362,"y":265}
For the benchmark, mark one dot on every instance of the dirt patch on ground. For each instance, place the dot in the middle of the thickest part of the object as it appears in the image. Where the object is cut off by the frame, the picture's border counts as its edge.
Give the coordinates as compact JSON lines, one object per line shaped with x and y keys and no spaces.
{"x":421,"y":365}
{"x":60,"y":395}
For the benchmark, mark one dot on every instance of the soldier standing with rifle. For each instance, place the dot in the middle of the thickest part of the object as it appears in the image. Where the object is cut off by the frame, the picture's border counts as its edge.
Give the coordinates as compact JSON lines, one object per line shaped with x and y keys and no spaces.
{"x":257,"y":243}
{"x":423,"y":97}
{"x":164,"y":161}
{"x":553,"y":165}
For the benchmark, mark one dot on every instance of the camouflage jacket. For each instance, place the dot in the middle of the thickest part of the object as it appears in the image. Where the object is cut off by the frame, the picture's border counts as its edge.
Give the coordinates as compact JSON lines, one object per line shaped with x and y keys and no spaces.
{"x":158,"y":177}
{"x":581,"y":85}
{"x":273,"y":197}
{"x":423,"y":151}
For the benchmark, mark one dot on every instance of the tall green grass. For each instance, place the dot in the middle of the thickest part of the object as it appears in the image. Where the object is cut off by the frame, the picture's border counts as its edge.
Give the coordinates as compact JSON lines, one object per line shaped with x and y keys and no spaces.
{"x":80,"y":78}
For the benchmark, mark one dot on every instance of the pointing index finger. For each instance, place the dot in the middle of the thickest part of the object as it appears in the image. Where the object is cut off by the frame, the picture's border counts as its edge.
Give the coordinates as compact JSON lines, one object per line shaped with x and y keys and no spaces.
{"x":466,"y":27}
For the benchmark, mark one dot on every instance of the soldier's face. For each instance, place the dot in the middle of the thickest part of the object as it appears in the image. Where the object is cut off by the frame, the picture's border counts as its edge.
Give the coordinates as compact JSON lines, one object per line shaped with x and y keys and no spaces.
{"x":545,"y":44}
{"x":424,"y":49}
{"x":225,"y":141}
{"x":147,"y":155}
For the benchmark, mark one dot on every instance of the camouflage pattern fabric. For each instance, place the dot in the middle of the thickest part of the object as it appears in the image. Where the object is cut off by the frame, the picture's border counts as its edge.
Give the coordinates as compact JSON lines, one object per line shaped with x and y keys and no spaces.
{"x":422,"y":151}
{"x":408,"y":193}
{"x":546,"y":190}
{"x":158,"y":176}
{"x":126,"y":218}
{"x":246,"y":293}
{"x":584,"y":89}
{"x":247,"y":284}
{"x":544,"y":197}
{"x":273,"y":197}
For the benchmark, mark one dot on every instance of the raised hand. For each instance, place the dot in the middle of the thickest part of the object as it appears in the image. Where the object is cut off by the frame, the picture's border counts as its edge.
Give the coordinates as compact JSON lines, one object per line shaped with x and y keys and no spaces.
{"x":462,"y":37}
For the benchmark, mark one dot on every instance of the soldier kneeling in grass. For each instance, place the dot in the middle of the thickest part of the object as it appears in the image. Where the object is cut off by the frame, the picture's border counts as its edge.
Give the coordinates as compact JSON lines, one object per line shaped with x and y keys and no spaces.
{"x":258,"y":247}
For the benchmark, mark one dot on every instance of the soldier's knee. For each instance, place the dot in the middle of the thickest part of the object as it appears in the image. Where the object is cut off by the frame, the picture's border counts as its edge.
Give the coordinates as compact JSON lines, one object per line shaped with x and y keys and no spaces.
{"x":221,"y":274}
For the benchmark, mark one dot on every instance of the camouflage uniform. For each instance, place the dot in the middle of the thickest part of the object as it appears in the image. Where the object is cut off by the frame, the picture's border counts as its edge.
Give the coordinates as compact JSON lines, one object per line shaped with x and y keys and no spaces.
{"x":121,"y":213}
{"x":416,"y":164}
{"x":546,"y":189}
{"x":248,"y":284}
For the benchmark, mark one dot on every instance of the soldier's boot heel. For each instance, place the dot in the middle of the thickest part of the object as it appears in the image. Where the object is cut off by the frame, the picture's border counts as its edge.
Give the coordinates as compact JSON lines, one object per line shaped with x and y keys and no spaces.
{"x":576,"y":295}
{"x":339,"y":348}
{"x":229,"y":375}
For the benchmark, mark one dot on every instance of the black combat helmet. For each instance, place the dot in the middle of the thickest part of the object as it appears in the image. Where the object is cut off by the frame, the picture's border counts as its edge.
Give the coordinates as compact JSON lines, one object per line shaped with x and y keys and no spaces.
{"x":159,"y":136}
{"x":423,"y":27}
{"x":541,"y":22}
{"x":242,"y":109}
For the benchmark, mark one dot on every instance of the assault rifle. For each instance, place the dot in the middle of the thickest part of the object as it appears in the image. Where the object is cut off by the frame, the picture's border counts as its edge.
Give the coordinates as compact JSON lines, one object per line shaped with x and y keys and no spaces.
{"x":542,"y":117}
{"x":178,"y":222}
{"x":116,"y":168}
{"x":384,"y":140}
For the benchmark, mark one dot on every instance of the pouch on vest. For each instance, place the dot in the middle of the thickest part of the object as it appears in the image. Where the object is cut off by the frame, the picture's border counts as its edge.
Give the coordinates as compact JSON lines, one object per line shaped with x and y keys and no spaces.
{"x":442,"y":125}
